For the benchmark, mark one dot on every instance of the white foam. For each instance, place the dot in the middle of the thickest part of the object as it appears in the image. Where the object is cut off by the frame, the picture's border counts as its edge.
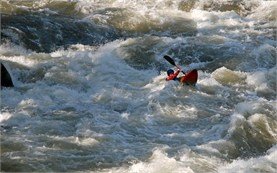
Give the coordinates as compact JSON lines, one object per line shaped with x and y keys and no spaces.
{"x":267,"y":10}
{"x":258,"y":80}
{"x":159,"y":162}
{"x":226,"y":76}
{"x":260,"y":164}
{"x":5,"y":116}
{"x":98,"y":90}
{"x":10,"y":49}
{"x":76,"y":140}
{"x":253,"y":114}
{"x":216,"y":22}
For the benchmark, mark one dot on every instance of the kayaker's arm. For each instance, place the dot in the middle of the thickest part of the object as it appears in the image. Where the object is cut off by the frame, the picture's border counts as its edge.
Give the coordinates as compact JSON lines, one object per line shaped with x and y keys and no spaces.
{"x":173,"y":76}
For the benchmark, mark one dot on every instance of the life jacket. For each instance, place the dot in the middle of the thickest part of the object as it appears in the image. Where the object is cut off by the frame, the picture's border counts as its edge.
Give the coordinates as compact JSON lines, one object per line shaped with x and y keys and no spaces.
{"x":173,"y":76}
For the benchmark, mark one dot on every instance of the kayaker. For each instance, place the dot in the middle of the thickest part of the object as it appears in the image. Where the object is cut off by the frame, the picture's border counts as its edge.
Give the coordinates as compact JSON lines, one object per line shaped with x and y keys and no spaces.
{"x":171,"y":75}
{"x":189,"y":78}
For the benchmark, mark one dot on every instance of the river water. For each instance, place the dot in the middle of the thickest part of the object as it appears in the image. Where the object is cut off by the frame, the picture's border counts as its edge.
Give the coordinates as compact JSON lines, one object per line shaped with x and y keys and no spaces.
{"x":90,"y":93}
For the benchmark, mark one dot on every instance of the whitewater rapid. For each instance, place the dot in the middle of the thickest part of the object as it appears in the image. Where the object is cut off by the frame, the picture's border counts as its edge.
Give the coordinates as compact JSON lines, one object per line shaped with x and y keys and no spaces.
{"x":90,"y":93}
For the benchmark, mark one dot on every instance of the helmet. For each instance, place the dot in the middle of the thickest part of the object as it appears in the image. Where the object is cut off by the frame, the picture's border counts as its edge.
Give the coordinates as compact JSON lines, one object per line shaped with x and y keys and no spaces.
{"x":170,"y":71}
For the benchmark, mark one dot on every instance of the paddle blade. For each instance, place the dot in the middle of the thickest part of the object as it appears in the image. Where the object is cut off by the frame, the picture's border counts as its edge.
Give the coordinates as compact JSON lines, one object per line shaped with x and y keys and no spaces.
{"x":170,"y":60}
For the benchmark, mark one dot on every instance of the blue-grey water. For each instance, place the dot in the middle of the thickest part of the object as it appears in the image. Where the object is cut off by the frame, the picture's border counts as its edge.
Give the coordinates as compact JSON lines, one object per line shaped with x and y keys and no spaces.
{"x":90,"y":93}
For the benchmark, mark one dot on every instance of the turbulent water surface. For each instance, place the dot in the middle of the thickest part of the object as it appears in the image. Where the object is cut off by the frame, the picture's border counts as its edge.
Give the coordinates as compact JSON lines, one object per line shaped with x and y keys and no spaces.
{"x":90,"y":93}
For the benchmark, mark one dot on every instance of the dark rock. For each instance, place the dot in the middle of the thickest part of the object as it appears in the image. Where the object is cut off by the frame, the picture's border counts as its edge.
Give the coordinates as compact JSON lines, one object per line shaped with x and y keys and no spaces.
{"x":6,"y":80}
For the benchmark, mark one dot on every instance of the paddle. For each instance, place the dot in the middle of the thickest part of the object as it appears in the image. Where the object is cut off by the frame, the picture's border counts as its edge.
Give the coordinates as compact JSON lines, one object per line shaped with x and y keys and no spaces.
{"x":171,"y":61}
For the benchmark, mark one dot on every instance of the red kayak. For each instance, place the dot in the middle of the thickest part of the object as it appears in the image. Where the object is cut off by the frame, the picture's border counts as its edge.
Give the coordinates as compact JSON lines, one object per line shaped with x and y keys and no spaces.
{"x":190,"y":78}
